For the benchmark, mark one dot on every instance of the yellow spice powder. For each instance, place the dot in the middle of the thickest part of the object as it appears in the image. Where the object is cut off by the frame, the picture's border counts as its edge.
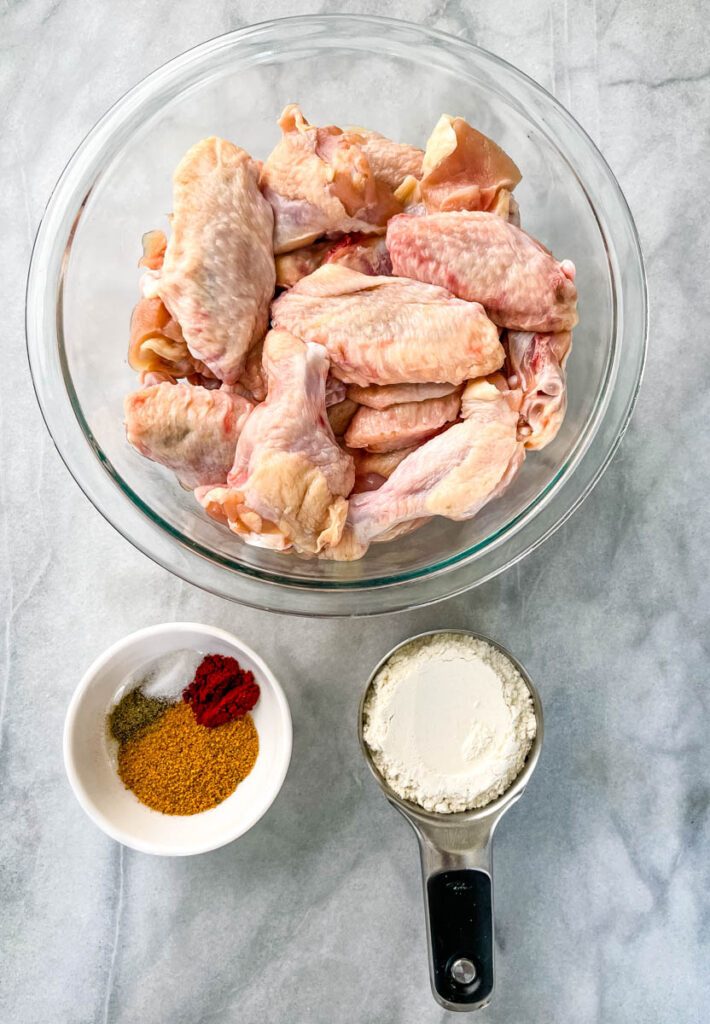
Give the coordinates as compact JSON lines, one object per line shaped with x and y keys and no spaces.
{"x":180,"y":767}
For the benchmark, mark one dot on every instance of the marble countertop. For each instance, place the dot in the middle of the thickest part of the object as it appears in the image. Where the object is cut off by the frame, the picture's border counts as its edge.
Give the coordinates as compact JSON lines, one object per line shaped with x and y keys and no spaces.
{"x":315,"y":916}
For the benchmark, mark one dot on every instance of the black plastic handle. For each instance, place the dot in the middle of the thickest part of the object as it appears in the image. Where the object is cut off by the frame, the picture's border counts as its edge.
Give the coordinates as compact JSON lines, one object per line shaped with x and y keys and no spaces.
{"x":460,"y":908}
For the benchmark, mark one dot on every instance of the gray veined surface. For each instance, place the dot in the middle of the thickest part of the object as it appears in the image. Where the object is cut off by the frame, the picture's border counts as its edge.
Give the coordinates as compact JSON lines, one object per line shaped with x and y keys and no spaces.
{"x":602,"y":870}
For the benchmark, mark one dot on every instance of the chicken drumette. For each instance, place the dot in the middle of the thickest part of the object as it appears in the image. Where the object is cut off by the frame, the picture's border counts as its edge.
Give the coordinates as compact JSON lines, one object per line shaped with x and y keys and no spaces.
{"x":290,"y":479}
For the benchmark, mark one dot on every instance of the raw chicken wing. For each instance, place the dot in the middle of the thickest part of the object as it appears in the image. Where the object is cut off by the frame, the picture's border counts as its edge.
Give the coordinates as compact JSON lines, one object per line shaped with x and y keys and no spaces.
{"x":480,"y":257}
{"x":401,"y":426}
{"x":535,"y":365}
{"x":382,"y":397}
{"x":156,"y":343}
{"x":366,"y":255}
{"x":191,"y":430}
{"x":335,"y":391}
{"x":373,"y":468}
{"x":290,"y":479}
{"x":417,"y":345}
{"x":452,"y":475}
{"x":319,"y":182}
{"x":388,"y":330}
{"x":340,"y":415}
{"x":252,"y":377}
{"x":218,"y":275}
{"x":463,"y":169}
{"x":292,"y":266}
{"x":390,"y":161}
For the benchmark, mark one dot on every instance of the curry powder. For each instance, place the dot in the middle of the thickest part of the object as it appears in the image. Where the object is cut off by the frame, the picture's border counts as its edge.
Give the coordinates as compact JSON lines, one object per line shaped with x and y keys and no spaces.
{"x":177,"y":766}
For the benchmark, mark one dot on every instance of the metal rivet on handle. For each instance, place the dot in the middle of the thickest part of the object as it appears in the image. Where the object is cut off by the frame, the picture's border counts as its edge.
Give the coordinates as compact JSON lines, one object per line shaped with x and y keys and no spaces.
{"x":463,"y":971}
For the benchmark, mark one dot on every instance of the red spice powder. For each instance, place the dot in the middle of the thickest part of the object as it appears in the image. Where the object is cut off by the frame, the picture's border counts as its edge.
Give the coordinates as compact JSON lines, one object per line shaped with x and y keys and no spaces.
{"x":220,"y":691}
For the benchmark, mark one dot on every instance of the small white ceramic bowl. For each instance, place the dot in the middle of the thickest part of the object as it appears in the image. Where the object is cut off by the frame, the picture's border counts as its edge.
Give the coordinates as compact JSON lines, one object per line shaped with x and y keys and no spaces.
{"x":93,"y":776}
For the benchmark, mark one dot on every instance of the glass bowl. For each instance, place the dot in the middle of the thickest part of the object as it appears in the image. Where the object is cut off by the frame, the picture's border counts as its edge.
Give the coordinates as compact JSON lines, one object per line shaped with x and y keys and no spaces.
{"x":396,"y":78}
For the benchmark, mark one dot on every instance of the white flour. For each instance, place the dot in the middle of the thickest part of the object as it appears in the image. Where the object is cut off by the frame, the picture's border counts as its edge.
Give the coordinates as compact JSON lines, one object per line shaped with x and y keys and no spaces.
{"x":449,"y":721}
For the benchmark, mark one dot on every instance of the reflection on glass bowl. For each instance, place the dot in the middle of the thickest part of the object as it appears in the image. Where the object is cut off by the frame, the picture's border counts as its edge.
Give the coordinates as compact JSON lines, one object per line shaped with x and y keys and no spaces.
{"x":348,"y":70}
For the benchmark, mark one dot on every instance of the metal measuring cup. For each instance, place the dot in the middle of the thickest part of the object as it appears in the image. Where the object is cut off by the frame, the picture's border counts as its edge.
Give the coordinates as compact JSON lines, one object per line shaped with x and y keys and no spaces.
{"x":457,"y":866}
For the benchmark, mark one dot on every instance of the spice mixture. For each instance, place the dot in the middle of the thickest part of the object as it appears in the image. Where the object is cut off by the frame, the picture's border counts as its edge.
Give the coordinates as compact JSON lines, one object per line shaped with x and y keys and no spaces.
{"x":185,"y":756}
{"x":178,"y":766}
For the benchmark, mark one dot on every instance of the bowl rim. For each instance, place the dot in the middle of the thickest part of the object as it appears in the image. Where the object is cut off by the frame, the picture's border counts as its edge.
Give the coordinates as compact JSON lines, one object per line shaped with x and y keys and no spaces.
{"x":71,"y":738}
{"x":265,"y":588}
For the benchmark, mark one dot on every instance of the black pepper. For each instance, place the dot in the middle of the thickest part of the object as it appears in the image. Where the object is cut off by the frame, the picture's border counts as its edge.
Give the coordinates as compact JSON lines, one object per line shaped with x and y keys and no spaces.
{"x":134,"y":713}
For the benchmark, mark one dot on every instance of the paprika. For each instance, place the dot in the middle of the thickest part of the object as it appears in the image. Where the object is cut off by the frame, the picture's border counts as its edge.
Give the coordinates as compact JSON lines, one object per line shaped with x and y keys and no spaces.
{"x":221,"y":691}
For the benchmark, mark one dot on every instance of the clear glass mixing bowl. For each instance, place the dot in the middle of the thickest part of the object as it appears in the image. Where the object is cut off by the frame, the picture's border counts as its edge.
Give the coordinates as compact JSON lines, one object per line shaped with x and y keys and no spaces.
{"x":396,"y":78}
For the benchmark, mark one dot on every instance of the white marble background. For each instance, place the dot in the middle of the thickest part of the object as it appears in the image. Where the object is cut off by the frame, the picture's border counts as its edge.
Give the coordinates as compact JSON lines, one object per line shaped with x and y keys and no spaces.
{"x":315,"y":916}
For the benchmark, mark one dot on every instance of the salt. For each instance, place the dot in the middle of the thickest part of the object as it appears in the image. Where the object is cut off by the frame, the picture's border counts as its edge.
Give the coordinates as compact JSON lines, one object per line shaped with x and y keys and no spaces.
{"x":166,"y":676}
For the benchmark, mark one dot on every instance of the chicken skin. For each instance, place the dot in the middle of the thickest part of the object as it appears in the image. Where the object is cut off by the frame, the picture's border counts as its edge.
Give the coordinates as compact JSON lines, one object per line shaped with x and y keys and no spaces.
{"x":373,"y":468}
{"x":191,"y":430}
{"x":481,"y":257}
{"x":218,"y":275}
{"x":292,"y":266}
{"x":367,"y":254}
{"x":319,"y":182}
{"x":389,"y":330}
{"x":383,"y":396}
{"x":454,"y":474}
{"x":391,"y":162}
{"x":463,"y":169}
{"x":156,"y":343}
{"x":340,"y":415}
{"x":401,"y":426}
{"x":290,"y":479}
{"x":252,"y":378}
